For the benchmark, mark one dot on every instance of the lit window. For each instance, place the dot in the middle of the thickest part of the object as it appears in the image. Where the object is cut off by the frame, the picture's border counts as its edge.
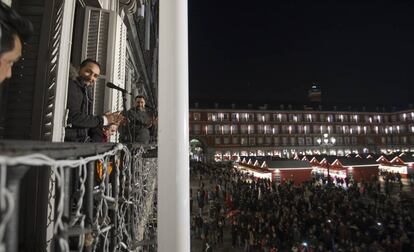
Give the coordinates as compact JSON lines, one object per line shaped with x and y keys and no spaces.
{"x":235,"y":117}
{"x":196,"y":116}
{"x":209,"y":129}
{"x":233,"y":129}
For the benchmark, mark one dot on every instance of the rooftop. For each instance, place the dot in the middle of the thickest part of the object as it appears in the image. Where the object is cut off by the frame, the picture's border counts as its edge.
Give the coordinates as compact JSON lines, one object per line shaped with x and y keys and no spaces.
{"x":299,"y":107}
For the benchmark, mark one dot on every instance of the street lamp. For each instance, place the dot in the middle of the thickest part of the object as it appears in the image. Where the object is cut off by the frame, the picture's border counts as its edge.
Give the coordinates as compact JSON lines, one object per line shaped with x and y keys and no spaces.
{"x":326,"y":141}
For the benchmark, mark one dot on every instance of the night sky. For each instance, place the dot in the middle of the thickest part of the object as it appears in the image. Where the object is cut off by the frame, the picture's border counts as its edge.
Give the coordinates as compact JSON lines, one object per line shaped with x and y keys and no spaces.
{"x":360,"y":52}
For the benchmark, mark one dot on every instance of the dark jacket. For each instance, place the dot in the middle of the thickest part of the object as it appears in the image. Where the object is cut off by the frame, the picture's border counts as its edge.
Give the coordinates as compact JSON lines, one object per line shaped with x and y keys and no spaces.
{"x":81,"y":122}
{"x":139,"y":121}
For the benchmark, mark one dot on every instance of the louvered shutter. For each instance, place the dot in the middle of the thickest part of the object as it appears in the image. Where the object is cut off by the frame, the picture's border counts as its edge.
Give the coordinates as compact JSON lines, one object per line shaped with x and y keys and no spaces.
{"x":32,"y":104}
{"x":119,"y":67}
{"x":96,"y":46}
{"x":105,"y":41}
{"x":119,"y":63}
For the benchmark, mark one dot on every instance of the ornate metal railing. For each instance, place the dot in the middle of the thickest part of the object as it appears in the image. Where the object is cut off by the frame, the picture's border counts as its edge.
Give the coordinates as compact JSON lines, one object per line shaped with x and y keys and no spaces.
{"x":77,"y":197}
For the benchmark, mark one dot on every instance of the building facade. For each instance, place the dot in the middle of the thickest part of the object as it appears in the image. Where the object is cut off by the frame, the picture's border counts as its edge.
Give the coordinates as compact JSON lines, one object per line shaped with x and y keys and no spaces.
{"x":121,"y":35}
{"x":227,"y":134}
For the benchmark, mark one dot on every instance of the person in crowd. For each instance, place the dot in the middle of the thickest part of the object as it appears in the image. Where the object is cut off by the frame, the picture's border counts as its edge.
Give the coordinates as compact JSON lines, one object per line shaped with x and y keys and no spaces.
{"x":265,"y":216}
{"x":82,"y":125}
{"x":140,"y":120}
{"x":14,"y":31}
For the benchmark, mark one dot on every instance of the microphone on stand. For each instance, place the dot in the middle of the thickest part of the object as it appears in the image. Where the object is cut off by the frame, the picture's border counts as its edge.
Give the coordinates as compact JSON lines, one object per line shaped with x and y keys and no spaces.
{"x":124,"y":111}
{"x":113,"y":86}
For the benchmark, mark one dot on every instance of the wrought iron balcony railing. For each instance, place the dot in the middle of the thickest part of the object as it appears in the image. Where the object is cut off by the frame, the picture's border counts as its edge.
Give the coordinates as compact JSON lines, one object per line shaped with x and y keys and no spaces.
{"x":82,"y":197}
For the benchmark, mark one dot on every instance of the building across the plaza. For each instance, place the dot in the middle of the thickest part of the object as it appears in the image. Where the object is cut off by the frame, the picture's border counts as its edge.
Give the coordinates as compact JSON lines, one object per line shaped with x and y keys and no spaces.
{"x":224,"y":134}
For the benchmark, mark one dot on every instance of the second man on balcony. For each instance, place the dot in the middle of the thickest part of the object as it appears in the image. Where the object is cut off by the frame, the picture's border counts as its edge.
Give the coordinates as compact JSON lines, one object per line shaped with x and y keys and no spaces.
{"x":140,"y":120}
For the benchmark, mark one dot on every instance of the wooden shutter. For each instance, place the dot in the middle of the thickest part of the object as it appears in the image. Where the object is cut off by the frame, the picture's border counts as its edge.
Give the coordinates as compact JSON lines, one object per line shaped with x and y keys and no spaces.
{"x":119,"y":64}
{"x":30,"y":96}
{"x":105,"y":41}
{"x":96,"y":34}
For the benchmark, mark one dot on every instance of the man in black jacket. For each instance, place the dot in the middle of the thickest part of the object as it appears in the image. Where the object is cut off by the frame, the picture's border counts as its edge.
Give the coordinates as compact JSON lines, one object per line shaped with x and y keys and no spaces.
{"x":140,"y":121}
{"x":82,"y":125}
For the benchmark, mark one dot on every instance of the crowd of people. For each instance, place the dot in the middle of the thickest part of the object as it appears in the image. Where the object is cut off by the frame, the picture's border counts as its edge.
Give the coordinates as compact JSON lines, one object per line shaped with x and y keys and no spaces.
{"x":263,"y":216}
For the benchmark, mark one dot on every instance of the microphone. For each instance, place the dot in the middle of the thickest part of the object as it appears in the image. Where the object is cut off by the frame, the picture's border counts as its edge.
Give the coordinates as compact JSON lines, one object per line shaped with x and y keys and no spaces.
{"x":113,"y":86}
